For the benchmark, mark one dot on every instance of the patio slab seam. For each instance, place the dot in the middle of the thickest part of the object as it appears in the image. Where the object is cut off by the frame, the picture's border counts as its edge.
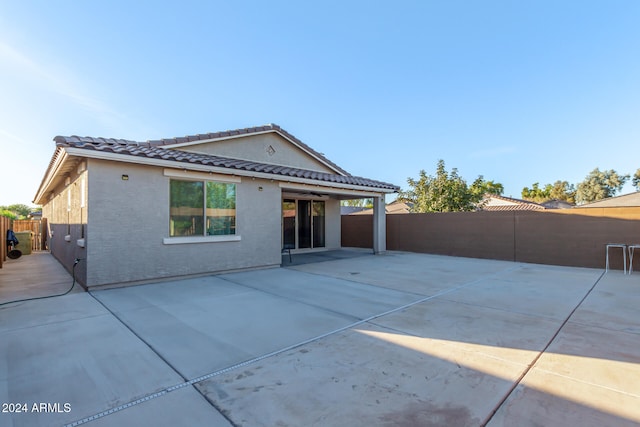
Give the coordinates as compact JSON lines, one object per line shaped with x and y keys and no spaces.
{"x":604,"y":328}
{"x":149,"y":396}
{"x":259,"y":358}
{"x":357,"y":282}
{"x":538,"y":356}
{"x":299,"y":301}
{"x":288,"y":298}
{"x":512,"y":267}
{"x":410,"y":334}
{"x":505,"y":310}
{"x":574,"y":379}
{"x":39,"y":325}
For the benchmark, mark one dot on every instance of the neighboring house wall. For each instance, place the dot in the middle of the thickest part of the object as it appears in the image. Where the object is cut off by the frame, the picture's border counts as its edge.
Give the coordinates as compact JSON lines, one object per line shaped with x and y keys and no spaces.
{"x":129,"y":220}
{"x":256,"y":148}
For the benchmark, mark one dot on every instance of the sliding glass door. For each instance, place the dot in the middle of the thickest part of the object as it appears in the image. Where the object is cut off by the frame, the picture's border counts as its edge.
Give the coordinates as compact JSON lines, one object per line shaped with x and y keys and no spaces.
{"x":303,"y":223}
{"x":317,"y":220}
{"x":289,"y":224}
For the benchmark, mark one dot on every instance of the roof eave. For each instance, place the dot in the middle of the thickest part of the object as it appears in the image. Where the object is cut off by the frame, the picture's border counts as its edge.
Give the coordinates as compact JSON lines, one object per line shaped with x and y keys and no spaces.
{"x":80,"y":152}
{"x":284,"y":134}
{"x":60,"y":156}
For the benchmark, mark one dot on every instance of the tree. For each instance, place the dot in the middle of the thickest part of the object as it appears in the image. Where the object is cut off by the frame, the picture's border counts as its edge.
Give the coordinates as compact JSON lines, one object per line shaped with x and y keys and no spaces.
{"x":599,"y":185}
{"x":537,"y":194}
{"x":15,"y":211}
{"x":636,"y":180}
{"x":487,"y":187}
{"x":360,"y":203}
{"x":7,"y":213}
{"x":560,"y":190}
{"x":445,"y":192}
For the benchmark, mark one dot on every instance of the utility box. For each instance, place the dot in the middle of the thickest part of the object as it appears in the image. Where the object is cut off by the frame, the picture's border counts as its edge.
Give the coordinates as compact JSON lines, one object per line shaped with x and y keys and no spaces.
{"x":26,"y":240}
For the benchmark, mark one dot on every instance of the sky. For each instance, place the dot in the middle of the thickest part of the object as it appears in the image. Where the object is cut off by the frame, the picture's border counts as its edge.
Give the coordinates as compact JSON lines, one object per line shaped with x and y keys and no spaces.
{"x":517,"y":91}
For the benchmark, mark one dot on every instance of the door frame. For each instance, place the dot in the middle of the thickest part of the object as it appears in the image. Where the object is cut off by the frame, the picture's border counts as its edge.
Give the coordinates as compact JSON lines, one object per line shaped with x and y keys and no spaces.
{"x":296,"y":199}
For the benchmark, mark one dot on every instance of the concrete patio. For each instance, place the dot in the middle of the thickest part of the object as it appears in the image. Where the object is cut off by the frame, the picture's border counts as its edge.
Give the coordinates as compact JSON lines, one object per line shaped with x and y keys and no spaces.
{"x":400,"y":339}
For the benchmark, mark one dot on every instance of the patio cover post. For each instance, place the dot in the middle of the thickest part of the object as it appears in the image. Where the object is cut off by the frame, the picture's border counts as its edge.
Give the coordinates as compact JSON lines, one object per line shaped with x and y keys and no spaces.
{"x":379,"y":225}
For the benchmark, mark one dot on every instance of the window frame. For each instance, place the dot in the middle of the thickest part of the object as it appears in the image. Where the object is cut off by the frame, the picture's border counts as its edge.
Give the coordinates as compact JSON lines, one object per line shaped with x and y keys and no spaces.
{"x":184,"y":175}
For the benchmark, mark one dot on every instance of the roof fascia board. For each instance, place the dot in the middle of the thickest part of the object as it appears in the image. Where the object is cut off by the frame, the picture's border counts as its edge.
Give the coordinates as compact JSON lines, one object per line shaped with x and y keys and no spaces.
{"x":81,"y":152}
{"x":338,"y":191}
{"x":181,"y":173}
{"x":244,"y":135}
{"x":50,"y":175}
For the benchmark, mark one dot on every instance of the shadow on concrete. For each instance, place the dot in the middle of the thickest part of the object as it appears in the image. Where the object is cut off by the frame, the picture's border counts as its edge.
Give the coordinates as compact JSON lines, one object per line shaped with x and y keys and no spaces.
{"x":34,"y":276}
{"x":450,"y":358}
{"x":313,"y":257}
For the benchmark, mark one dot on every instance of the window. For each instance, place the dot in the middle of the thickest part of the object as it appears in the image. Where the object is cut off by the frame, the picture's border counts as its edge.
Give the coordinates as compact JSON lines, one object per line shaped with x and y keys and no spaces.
{"x":202,"y":208}
{"x":221,"y":209}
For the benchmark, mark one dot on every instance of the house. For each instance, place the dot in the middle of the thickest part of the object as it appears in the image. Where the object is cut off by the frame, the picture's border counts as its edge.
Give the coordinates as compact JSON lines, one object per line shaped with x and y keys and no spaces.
{"x":557,"y":204}
{"x":350,"y":210}
{"x":625,"y":200}
{"x":398,"y":207}
{"x":493,"y":202}
{"x":395,"y":207}
{"x":143,"y":211}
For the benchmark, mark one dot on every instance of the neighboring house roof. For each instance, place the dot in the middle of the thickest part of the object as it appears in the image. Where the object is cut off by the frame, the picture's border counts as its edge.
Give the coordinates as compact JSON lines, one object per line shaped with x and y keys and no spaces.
{"x":165,"y":151}
{"x":349,"y":210}
{"x":557,"y":204}
{"x":394,"y":207}
{"x":494,"y":202}
{"x":625,"y":200}
{"x":397,"y":207}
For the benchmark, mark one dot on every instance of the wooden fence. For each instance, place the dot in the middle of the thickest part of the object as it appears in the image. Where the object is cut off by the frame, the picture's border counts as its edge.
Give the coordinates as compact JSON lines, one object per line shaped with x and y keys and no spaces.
{"x":571,"y":237}
{"x":5,"y":224}
{"x":36,"y":226}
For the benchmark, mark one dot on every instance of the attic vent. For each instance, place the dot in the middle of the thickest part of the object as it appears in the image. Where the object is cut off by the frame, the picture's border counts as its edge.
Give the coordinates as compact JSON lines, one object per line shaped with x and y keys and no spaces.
{"x":271,"y":151}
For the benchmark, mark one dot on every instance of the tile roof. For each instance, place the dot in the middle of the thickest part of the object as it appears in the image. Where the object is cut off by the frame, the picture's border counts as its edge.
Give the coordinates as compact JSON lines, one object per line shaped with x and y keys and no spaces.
{"x":510,"y":204}
{"x":519,"y":207}
{"x":155,"y":150}
{"x":624,"y":200}
{"x":244,"y":132}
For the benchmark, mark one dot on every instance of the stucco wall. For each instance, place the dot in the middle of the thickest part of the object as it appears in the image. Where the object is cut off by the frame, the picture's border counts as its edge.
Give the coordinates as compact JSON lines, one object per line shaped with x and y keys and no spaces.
{"x":333,"y":224}
{"x":256,"y":148}
{"x":129,"y":219}
{"x":66,"y":213}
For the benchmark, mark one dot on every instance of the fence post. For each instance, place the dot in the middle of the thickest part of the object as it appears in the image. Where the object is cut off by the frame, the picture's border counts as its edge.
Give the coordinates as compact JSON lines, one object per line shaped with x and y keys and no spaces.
{"x":5,"y":224}
{"x":43,"y":233}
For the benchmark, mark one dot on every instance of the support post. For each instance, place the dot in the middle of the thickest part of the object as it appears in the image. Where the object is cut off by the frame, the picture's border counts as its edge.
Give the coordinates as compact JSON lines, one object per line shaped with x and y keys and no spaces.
{"x":379,"y":225}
